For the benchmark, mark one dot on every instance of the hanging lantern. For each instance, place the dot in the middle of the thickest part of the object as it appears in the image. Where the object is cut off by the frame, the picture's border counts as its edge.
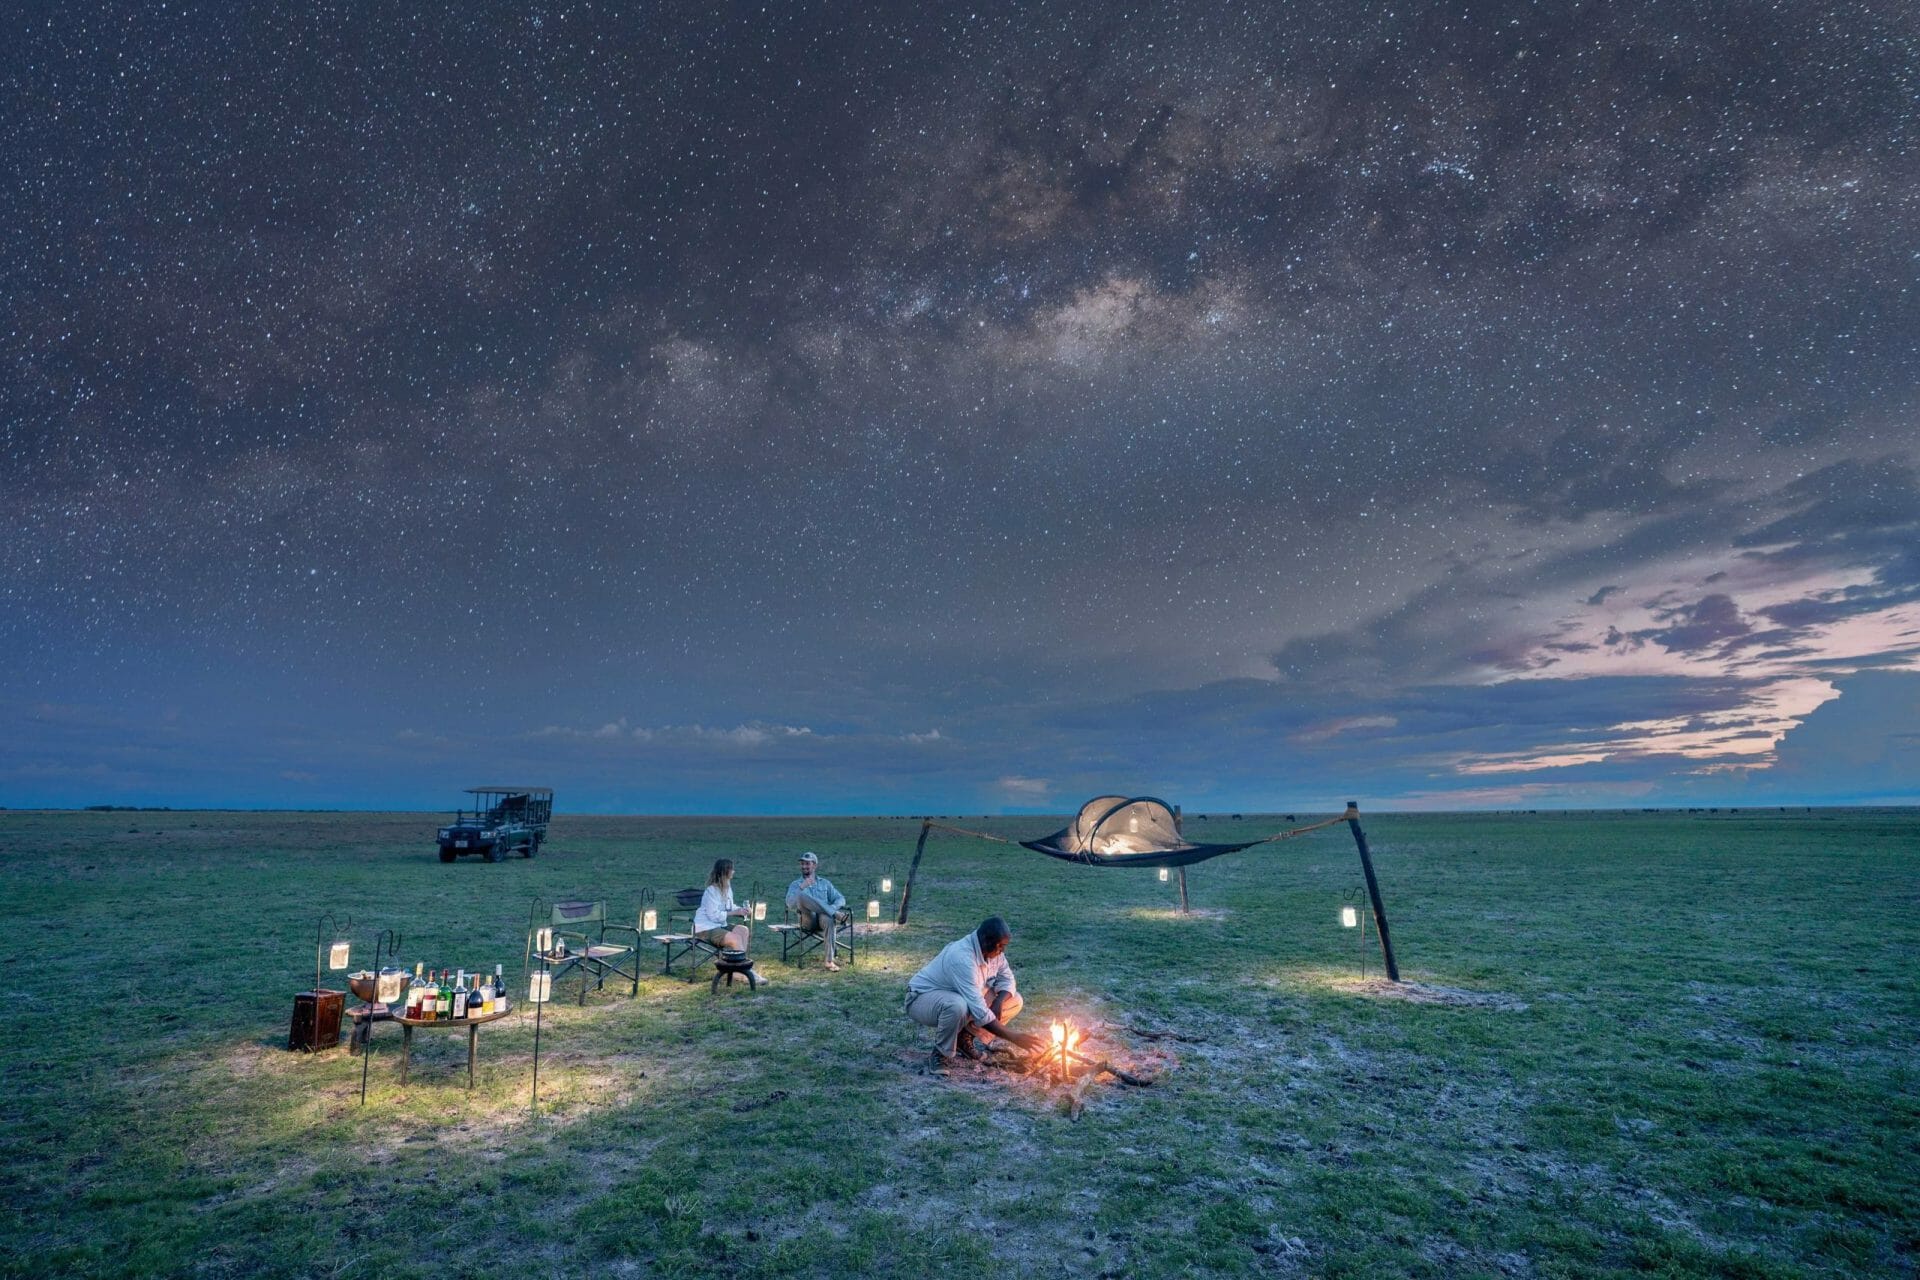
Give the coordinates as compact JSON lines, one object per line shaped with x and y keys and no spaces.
{"x":649,"y":920}
{"x":540,"y":987}
{"x":1349,"y":917}
{"x":873,"y":908}
{"x":1163,"y":875}
{"x":390,"y":985}
{"x":760,"y":909}
{"x":886,"y":884}
{"x":543,"y":940}
{"x":337,"y":953}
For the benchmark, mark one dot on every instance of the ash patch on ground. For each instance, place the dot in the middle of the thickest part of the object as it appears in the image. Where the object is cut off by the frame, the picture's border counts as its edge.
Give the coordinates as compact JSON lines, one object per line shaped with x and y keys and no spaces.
{"x":1428,"y":993}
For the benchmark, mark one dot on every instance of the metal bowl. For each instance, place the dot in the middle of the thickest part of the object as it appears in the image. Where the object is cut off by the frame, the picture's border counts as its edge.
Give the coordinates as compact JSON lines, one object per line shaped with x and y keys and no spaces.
{"x":731,"y":955}
{"x":364,"y":983}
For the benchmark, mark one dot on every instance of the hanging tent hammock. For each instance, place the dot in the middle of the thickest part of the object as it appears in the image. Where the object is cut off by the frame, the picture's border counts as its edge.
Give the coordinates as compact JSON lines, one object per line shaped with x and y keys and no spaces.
{"x":1113,"y":831}
{"x":1141,"y":831}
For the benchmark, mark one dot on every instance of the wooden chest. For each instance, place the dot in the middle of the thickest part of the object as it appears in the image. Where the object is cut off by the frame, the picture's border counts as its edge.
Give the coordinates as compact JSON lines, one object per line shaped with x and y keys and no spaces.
{"x":316,"y":1020}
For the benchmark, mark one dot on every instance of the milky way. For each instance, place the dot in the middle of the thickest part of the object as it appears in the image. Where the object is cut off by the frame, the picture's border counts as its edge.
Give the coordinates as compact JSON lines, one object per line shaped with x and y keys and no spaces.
{"x":968,"y":408}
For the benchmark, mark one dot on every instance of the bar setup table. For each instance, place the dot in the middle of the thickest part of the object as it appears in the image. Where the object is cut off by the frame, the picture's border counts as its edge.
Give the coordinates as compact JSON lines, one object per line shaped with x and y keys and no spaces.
{"x":471,"y":1024}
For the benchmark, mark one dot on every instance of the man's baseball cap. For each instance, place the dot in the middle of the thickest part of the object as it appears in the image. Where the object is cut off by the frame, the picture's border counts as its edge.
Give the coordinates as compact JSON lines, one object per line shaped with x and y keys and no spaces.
{"x":809,"y":856}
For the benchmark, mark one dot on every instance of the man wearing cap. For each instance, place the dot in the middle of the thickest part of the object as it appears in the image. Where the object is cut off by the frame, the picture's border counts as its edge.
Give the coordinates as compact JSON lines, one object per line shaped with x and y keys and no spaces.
{"x":969,"y":987}
{"x":818,"y":904}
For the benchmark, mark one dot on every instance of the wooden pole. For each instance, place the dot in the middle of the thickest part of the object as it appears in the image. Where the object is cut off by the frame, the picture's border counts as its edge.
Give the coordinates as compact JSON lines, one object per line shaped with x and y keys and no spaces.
{"x":906,"y":891}
{"x":1373,"y":891}
{"x":1179,"y":824}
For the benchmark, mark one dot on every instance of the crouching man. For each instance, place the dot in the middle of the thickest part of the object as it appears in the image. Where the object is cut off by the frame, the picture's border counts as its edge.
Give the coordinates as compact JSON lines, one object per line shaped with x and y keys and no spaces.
{"x":967,"y":989}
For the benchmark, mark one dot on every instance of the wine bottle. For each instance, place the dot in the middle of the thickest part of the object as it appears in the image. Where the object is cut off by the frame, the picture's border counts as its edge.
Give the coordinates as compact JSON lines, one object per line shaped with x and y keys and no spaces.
{"x":460,"y":996}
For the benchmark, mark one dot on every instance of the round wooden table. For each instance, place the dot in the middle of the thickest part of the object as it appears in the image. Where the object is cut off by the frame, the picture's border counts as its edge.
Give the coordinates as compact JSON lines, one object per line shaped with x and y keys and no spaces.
{"x":472,"y":1026}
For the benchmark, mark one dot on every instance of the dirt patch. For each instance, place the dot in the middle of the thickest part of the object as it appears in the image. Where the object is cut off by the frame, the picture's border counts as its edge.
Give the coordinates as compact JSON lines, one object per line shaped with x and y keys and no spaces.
{"x":1426,"y":993}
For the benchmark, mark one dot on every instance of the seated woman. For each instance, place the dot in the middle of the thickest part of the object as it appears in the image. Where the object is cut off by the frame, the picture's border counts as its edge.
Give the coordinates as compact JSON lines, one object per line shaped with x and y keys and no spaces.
{"x":717,"y":908}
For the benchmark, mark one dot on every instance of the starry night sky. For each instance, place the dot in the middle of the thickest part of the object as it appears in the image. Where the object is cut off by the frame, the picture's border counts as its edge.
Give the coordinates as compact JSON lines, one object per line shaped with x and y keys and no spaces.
{"x":841,"y":409}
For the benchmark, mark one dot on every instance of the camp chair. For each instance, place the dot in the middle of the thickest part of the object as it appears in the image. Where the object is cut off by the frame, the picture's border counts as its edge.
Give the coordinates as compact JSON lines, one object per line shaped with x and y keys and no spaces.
{"x":585,"y":928}
{"x":797,"y":942}
{"x":681,"y":943}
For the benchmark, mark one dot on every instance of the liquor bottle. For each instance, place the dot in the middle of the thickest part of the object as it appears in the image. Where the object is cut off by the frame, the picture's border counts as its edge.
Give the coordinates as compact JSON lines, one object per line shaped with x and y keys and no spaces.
{"x":417,"y":992}
{"x":446,"y":996}
{"x":460,"y":996}
{"x":486,"y":998}
{"x":499,"y":991}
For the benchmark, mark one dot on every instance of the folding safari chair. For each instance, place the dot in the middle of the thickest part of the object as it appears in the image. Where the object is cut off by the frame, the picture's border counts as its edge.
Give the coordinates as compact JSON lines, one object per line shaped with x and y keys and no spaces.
{"x":797,"y":942}
{"x":585,"y":928}
{"x":680,"y":944}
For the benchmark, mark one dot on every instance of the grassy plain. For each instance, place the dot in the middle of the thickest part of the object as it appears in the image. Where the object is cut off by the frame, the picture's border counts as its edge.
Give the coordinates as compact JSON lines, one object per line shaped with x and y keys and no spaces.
{"x":1696,"y":1058}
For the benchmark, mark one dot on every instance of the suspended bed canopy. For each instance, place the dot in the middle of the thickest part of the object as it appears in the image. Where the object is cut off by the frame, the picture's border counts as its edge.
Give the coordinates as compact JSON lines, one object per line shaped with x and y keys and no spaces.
{"x":1113,"y":831}
{"x":1143,"y":831}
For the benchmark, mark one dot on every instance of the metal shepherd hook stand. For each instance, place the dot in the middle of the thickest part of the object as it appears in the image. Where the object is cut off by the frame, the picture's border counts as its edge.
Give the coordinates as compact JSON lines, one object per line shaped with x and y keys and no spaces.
{"x":386,"y":941}
{"x":539,"y":990}
{"x":328,"y":952}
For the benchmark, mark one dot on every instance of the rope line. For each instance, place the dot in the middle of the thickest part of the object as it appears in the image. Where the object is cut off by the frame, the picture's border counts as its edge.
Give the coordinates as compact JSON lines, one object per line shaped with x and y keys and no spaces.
{"x":1300,"y":831}
{"x":962,"y":831}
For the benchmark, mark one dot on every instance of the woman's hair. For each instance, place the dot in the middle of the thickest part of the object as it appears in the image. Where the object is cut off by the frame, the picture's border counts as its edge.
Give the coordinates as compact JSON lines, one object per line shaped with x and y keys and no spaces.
{"x":722,"y":868}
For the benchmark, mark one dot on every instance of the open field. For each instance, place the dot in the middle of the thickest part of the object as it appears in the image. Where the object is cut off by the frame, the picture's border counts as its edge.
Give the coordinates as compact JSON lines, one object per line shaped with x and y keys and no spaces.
{"x":1696,"y":1057}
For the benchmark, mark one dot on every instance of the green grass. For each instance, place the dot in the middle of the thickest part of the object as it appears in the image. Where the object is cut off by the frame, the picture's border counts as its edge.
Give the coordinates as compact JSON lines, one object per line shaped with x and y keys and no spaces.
{"x":1705,"y":1066}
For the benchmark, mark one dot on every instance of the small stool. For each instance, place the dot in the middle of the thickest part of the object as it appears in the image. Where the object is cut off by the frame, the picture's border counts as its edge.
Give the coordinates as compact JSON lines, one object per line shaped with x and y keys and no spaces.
{"x":727,"y":968}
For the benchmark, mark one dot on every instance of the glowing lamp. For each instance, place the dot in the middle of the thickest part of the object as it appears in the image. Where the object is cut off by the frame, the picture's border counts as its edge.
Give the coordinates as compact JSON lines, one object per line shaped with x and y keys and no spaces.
{"x":760,"y":909}
{"x":337,"y":953}
{"x":649,"y":920}
{"x":540,"y":987}
{"x":886,"y":884}
{"x":1163,"y":875}
{"x":543,"y":941}
{"x":1349,"y":917}
{"x":391,"y":985}
{"x":873,"y":908}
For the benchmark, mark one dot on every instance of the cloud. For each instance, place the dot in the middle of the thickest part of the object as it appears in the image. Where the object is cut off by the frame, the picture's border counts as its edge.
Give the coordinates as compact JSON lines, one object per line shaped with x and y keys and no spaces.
{"x":1708,"y":622}
{"x":1343,"y":724}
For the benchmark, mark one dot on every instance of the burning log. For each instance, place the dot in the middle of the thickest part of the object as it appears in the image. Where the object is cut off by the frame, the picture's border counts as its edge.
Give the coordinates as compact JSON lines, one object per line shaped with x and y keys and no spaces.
{"x":1064,"y":1051}
{"x":1101,"y":1064}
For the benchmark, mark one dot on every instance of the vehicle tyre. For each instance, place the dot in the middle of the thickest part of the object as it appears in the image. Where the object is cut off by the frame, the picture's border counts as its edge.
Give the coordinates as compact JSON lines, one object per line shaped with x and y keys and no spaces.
{"x":526,"y":850}
{"x":493,"y":853}
{"x":446,"y":855}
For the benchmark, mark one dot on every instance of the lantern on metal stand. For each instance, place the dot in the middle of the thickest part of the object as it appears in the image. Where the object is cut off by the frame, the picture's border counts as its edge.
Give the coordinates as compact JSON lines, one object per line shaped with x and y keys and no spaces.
{"x":649,"y":915}
{"x":335,"y":953}
{"x":1352,"y":918}
{"x":539,"y":991}
{"x":389,"y":988}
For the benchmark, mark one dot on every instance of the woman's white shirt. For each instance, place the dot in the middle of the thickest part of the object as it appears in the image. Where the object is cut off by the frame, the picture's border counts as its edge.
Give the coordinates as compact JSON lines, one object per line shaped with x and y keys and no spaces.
{"x":714,"y":905}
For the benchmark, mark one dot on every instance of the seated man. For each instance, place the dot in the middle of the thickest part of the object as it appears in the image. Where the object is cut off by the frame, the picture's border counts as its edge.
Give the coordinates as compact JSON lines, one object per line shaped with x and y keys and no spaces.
{"x":818,"y":904}
{"x":969,"y":987}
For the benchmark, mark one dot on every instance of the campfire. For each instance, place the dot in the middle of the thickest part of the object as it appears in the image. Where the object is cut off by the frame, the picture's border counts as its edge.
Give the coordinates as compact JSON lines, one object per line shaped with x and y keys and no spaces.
{"x":1067,"y":1063}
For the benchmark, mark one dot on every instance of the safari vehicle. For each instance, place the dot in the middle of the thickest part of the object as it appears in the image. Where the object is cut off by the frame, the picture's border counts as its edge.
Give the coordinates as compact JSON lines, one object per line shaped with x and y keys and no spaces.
{"x":503,"y":820}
